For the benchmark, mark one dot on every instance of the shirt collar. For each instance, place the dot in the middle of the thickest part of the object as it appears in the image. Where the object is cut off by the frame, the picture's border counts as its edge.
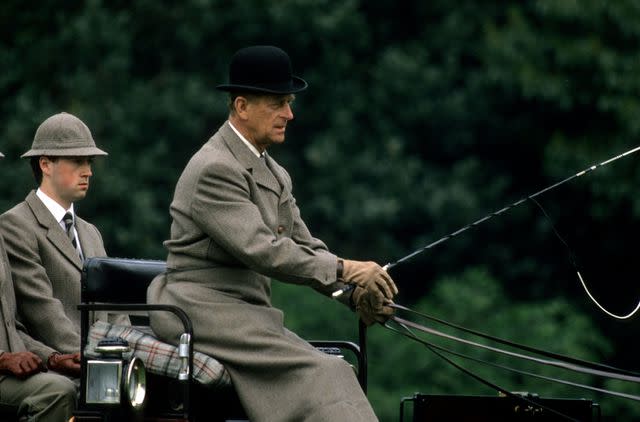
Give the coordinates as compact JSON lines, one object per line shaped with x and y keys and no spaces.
{"x":56,"y":209}
{"x":247,"y":143}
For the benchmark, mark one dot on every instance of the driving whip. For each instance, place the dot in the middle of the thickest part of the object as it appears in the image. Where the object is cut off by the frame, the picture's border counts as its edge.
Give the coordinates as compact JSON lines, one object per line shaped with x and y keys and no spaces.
{"x":348,"y":287}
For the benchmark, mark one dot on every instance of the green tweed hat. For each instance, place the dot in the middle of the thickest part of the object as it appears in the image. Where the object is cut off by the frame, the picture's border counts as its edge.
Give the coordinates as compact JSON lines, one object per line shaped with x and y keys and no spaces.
{"x":63,"y":135}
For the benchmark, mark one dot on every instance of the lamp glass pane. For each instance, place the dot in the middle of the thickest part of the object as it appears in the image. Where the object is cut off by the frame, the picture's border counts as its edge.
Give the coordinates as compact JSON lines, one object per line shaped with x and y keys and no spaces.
{"x":103,"y":381}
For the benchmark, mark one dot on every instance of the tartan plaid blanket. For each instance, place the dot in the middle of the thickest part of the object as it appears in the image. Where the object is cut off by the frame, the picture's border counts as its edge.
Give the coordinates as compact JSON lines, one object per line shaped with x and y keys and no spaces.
{"x":158,"y":357}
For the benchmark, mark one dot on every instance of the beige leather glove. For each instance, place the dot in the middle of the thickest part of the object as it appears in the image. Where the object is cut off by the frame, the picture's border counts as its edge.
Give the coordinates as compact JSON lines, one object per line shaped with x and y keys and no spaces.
{"x":68,"y":364}
{"x":20,"y":364}
{"x":370,"y":306}
{"x":369,"y":275}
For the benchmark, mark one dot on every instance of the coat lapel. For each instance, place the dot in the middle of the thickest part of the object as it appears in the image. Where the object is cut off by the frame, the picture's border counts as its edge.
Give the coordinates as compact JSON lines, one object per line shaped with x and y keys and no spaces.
{"x":258,"y":168}
{"x":87,"y":240}
{"x":280,"y":177}
{"x":55,"y":234}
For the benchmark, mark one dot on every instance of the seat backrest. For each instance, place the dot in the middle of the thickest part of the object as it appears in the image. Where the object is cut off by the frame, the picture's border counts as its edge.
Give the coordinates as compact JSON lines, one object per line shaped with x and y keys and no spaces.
{"x":118,"y":280}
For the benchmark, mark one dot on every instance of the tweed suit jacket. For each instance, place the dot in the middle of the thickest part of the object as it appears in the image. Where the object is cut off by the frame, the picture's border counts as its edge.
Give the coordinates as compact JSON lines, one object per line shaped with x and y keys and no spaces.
{"x":46,"y":271}
{"x":13,"y":338}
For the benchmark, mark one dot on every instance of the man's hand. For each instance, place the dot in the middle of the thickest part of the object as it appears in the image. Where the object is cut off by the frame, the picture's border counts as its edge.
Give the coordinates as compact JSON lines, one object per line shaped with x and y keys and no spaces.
{"x":68,"y":364}
{"x":370,"y":306}
{"x":369,"y":275}
{"x":20,"y":364}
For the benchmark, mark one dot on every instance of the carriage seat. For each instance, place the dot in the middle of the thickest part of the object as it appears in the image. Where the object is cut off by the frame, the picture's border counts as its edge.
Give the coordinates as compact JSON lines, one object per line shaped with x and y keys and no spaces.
{"x":121,"y":284}
{"x":158,"y":357}
{"x":124,"y":281}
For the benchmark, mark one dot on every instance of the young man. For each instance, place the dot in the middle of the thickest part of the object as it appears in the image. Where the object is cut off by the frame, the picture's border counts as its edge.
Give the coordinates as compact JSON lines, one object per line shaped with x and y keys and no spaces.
{"x":46,"y":242}
{"x":235,"y":226}
{"x":25,"y":390}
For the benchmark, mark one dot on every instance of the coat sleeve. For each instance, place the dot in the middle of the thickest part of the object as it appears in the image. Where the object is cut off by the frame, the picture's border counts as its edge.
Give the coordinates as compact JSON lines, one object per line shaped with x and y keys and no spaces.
{"x":223,"y":208}
{"x":41,"y":312}
{"x":33,"y":345}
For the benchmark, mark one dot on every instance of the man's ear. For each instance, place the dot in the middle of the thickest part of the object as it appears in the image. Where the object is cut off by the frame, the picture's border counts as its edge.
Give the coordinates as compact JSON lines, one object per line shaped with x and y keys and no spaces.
{"x":44,"y":163}
{"x":240,"y":104}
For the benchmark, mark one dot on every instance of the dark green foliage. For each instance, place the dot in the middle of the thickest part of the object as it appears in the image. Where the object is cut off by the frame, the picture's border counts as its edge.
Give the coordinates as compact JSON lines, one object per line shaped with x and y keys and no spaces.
{"x":421,"y":117}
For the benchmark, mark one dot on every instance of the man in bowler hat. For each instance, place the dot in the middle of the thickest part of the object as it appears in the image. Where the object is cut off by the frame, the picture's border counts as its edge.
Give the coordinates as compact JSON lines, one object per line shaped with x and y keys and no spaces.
{"x":235,"y":227}
{"x":26,"y":389}
{"x":46,"y":241}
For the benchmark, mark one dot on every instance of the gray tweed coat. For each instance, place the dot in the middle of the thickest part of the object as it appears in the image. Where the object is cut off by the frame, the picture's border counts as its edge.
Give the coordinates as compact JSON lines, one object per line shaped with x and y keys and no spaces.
{"x":235,"y":226}
{"x":12,"y":335}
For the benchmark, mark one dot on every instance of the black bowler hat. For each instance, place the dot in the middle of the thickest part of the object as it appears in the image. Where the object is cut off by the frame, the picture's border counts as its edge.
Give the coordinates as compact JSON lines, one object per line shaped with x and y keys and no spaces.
{"x":262,"y":68}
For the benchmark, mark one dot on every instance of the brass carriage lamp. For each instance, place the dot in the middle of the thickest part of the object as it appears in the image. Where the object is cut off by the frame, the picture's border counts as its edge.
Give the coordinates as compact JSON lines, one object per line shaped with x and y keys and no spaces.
{"x":114,"y":379}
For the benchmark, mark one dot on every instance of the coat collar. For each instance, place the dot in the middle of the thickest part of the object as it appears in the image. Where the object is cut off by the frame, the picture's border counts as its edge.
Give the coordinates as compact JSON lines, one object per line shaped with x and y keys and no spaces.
{"x":258,"y":168}
{"x":55,"y":234}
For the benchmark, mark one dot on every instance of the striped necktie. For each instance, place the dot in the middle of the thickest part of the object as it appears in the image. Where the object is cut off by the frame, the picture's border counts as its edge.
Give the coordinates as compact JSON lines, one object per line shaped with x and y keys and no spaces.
{"x":68,"y":223}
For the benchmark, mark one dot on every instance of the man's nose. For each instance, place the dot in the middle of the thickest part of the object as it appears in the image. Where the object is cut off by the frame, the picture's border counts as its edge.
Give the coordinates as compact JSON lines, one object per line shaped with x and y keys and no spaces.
{"x":288,"y":112}
{"x":86,"y":170}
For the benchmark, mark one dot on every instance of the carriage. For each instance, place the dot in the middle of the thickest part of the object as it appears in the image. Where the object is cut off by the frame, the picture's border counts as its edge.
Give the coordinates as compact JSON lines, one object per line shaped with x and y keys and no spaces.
{"x":128,"y":374}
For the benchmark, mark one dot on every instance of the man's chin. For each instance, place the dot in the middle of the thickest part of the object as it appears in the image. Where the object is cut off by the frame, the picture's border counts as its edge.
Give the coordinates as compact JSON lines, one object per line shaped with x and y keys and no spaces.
{"x":80,"y":195}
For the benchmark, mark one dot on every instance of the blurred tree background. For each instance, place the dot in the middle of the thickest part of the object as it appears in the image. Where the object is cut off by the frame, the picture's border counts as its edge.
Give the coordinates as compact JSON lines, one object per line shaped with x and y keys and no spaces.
{"x":420,"y":118}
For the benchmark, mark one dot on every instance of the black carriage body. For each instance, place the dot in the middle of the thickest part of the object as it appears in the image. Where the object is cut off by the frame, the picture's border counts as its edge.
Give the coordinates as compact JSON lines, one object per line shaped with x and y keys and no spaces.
{"x":478,"y":408}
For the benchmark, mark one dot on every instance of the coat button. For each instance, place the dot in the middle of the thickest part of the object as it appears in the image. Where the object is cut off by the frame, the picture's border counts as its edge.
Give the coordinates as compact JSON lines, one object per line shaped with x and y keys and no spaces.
{"x":280,"y":229}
